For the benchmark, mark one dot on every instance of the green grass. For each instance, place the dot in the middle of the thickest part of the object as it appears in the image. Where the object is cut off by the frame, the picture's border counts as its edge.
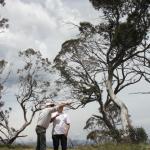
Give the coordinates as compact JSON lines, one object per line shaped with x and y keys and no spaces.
{"x":100,"y":147}
{"x":16,"y":147}
{"x":116,"y":147}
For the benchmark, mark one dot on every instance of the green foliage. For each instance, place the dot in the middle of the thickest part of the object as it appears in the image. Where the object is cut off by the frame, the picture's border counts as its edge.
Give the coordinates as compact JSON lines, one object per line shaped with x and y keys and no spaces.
{"x":4,"y":113}
{"x":138,"y":135}
{"x":130,"y":33}
{"x":3,"y":24}
{"x":2,"y":80}
{"x":33,"y":76}
{"x":109,"y":4}
{"x":3,"y":21}
{"x":101,"y":136}
{"x":126,"y":36}
{"x":98,"y":130}
{"x":2,"y":2}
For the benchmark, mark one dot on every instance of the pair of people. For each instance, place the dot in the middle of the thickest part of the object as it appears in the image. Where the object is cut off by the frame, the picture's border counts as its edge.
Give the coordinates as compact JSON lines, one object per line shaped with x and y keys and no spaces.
{"x":61,"y":125}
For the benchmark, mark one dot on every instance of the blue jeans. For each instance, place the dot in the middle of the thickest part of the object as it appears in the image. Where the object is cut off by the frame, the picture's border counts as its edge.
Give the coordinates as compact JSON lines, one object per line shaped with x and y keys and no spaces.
{"x":62,"y":138}
{"x":41,"y":138}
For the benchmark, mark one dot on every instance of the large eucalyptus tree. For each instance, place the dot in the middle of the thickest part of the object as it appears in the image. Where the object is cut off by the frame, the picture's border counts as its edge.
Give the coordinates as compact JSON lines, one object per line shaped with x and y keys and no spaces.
{"x":101,"y":61}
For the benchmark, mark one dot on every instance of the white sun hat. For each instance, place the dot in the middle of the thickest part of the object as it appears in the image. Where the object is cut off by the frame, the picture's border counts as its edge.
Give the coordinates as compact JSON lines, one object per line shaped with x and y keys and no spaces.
{"x":52,"y":104}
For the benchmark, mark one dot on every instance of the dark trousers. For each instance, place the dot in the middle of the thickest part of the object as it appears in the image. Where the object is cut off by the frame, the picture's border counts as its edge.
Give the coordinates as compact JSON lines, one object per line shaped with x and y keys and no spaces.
{"x":41,"y":138}
{"x":59,"y":138}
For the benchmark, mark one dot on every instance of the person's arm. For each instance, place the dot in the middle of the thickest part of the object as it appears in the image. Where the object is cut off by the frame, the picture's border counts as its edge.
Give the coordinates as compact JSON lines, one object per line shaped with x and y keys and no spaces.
{"x":64,"y":104}
{"x":42,"y":106}
{"x":67,"y":129}
{"x":46,"y":105}
{"x":54,"y":109}
{"x":53,"y":117}
{"x":67,"y":122}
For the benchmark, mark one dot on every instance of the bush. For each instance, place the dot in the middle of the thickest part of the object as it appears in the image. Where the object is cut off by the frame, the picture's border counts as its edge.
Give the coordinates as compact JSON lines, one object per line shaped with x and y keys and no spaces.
{"x":138,"y":135}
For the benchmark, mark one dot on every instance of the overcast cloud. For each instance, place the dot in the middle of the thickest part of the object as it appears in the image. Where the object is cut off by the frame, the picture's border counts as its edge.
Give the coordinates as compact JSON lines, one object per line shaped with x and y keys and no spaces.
{"x":41,"y":24}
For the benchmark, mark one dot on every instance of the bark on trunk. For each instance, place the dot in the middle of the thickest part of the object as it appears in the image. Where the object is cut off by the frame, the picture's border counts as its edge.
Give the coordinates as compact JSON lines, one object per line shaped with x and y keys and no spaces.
{"x":124,"y":111}
{"x":16,"y":135}
{"x":113,"y":131}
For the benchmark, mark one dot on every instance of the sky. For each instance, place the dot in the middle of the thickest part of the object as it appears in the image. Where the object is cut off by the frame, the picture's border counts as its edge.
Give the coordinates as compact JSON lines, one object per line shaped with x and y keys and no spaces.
{"x":44,"y":25}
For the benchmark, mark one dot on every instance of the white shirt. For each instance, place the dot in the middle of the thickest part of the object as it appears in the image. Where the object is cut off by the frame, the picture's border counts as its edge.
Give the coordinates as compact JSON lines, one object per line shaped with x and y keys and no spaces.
{"x":59,"y":124}
{"x":45,"y":116}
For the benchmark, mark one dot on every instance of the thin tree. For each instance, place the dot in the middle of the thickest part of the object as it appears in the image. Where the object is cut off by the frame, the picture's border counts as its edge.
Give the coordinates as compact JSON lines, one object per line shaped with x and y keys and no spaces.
{"x":34,"y":88}
{"x":4,"y":114}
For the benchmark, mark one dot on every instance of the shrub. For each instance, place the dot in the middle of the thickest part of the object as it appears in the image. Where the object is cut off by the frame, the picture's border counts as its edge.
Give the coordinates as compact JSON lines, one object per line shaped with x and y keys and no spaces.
{"x":138,"y":135}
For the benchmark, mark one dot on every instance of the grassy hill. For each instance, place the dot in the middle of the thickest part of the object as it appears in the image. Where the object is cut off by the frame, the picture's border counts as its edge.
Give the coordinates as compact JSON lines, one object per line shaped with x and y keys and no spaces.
{"x":100,"y":147}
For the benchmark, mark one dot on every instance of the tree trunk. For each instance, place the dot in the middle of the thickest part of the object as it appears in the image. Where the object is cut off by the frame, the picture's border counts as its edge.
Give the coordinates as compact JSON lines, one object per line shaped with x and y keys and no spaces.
{"x":114,"y":133}
{"x":124,"y":111}
{"x":16,"y":135}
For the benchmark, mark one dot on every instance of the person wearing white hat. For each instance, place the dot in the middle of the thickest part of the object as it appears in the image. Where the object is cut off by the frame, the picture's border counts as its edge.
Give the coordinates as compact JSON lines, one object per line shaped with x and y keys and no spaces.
{"x":61,"y":125}
{"x":44,"y":121}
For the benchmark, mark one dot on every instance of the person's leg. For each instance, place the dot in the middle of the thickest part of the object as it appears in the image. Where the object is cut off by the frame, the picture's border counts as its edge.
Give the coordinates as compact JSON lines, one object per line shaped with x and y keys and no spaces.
{"x":55,"y":141}
{"x":41,"y":138}
{"x":38,"y":142}
{"x":63,"y":142}
{"x":42,"y":141}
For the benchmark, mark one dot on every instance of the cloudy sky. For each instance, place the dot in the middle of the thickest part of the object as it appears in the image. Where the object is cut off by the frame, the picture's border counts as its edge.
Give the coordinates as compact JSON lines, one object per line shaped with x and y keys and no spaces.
{"x":44,"y":25}
{"x":41,"y":24}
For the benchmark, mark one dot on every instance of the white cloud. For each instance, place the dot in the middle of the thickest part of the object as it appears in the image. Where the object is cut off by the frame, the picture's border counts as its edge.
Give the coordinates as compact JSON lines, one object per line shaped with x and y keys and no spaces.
{"x":42,"y":27}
